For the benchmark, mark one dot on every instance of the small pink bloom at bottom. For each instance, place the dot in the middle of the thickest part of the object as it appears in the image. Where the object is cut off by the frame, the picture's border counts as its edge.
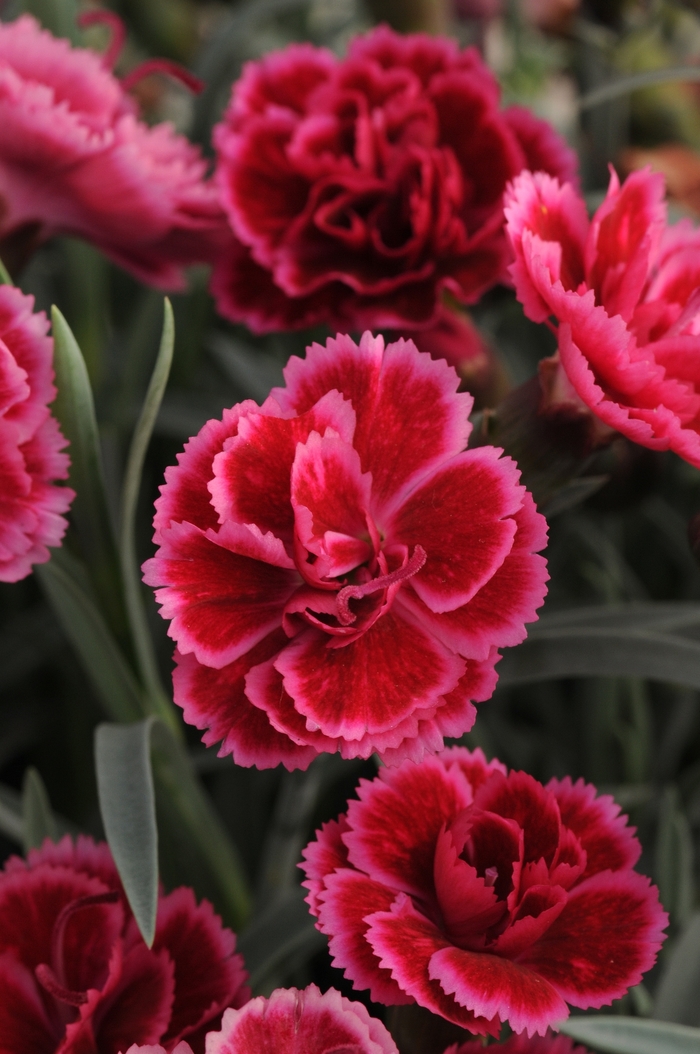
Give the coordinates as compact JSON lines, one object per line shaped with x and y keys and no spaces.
{"x":300,"y":1022}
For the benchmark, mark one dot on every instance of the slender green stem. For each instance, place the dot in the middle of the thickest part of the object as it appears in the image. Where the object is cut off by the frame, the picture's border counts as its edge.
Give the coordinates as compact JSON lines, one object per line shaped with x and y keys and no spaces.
{"x":158,"y":701}
{"x":5,"y":275}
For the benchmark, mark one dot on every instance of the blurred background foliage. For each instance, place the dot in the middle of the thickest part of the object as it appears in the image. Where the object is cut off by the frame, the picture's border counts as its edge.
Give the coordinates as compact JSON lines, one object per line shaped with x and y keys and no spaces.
{"x":638,"y":739}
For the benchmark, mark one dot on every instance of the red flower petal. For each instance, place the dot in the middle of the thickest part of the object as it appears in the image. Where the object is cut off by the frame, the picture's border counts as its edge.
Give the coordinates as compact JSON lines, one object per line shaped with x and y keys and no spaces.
{"x":604,"y":834}
{"x":321,"y":857}
{"x":462,"y":517}
{"x":371,"y":684}
{"x":409,"y":418}
{"x":209,"y":976}
{"x":406,"y":944}
{"x":346,"y":901}
{"x":413,"y":802}
{"x":331,"y":499}
{"x":24,"y":1025}
{"x":251,"y":477}
{"x":473,"y":764}
{"x":184,"y":496}
{"x":604,"y":941}
{"x":494,"y":987}
{"x":537,"y":910}
{"x":544,"y":150}
{"x":519,"y":797}
{"x":216,"y":699}
{"x":223,"y":591}
{"x":468,"y":906}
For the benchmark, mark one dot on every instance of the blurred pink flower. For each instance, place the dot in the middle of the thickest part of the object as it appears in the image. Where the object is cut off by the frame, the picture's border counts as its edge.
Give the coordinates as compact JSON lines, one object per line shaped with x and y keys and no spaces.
{"x":359,"y":189}
{"x":75,"y":974}
{"x":31,"y":444}
{"x":338,"y":571}
{"x":625,"y":290}
{"x":484,"y":896}
{"x":75,"y":159}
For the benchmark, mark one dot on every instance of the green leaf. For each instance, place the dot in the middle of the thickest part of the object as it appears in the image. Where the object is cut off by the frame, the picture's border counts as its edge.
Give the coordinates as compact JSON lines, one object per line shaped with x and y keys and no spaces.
{"x":677,"y":992}
{"x":5,"y":275}
{"x":75,"y":410}
{"x":127,"y":805}
{"x":674,"y":859}
{"x":204,"y":830}
{"x":38,"y":821}
{"x":614,"y":1034}
{"x":627,"y":85}
{"x":142,"y":640}
{"x":283,"y":931}
{"x":87,"y":631}
{"x":11,"y":822}
{"x":605,"y":651}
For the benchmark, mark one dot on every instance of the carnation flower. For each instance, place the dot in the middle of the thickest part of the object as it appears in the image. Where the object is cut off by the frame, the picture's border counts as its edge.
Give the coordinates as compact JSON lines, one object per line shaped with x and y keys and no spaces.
{"x":306,"y":1022}
{"x":625,"y":290}
{"x":358,"y":190}
{"x":338,"y":571}
{"x":31,"y":444}
{"x":75,"y":974}
{"x":75,"y":159}
{"x":482,"y":895}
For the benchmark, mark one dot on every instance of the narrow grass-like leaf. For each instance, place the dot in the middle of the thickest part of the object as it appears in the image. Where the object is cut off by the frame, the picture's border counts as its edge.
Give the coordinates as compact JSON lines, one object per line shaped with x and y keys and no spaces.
{"x":674,"y":859}
{"x":75,"y":410}
{"x":659,"y":616}
{"x":602,"y":652}
{"x":38,"y":821}
{"x":127,"y":805}
{"x":283,"y":930}
{"x":627,"y":85}
{"x":87,"y":631}
{"x":677,"y":992}
{"x":5,"y":275}
{"x":141,"y":636}
{"x":205,"y":832}
{"x":614,"y":1034}
{"x":11,"y":822}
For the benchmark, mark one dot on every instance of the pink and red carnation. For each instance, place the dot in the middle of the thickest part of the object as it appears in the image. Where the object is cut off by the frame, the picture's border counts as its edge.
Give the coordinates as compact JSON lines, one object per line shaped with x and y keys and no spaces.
{"x":306,"y":1022}
{"x":75,"y":974}
{"x":625,"y":291}
{"x":482,"y":895}
{"x":31,"y":444}
{"x":358,"y":190}
{"x":521,"y":1044}
{"x":338,"y":571}
{"x":75,"y":159}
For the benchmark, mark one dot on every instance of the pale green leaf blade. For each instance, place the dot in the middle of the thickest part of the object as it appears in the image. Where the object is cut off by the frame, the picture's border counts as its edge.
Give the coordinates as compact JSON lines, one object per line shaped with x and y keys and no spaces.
{"x":86,"y":629}
{"x":5,"y":278}
{"x":11,"y":822}
{"x":74,"y":407}
{"x":141,"y":636}
{"x":127,"y":805}
{"x":677,"y":993}
{"x":281,"y":932}
{"x":38,"y":821}
{"x":602,"y":652}
{"x":614,"y":1034}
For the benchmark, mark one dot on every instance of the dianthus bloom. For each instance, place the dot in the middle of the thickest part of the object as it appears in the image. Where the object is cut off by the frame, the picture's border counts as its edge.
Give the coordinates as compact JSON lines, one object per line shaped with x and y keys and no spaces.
{"x":75,"y":974}
{"x":625,"y":290}
{"x":482,"y":895}
{"x":75,"y":159}
{"x":306,"y":1022}
{"x":359,"y":189}
{"x":31,"y":444}
{"x":338,"y":571}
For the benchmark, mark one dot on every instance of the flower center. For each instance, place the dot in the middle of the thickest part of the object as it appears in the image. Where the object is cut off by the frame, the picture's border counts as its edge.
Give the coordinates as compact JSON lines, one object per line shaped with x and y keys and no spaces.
{"x":53,"y":978}
{"x":346,"y":617}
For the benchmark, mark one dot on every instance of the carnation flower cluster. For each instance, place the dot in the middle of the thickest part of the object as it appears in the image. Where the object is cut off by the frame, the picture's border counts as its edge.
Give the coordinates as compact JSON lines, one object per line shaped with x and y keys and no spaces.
{"x":341,"y":566}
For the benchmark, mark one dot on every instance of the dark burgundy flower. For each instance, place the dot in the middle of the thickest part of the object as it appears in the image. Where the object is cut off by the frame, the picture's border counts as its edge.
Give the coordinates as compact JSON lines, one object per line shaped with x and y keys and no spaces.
{"x":75,"y":974}
{"x":338,"y":571}
{"x":482,"y":895}
{"x":358,"y":189}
